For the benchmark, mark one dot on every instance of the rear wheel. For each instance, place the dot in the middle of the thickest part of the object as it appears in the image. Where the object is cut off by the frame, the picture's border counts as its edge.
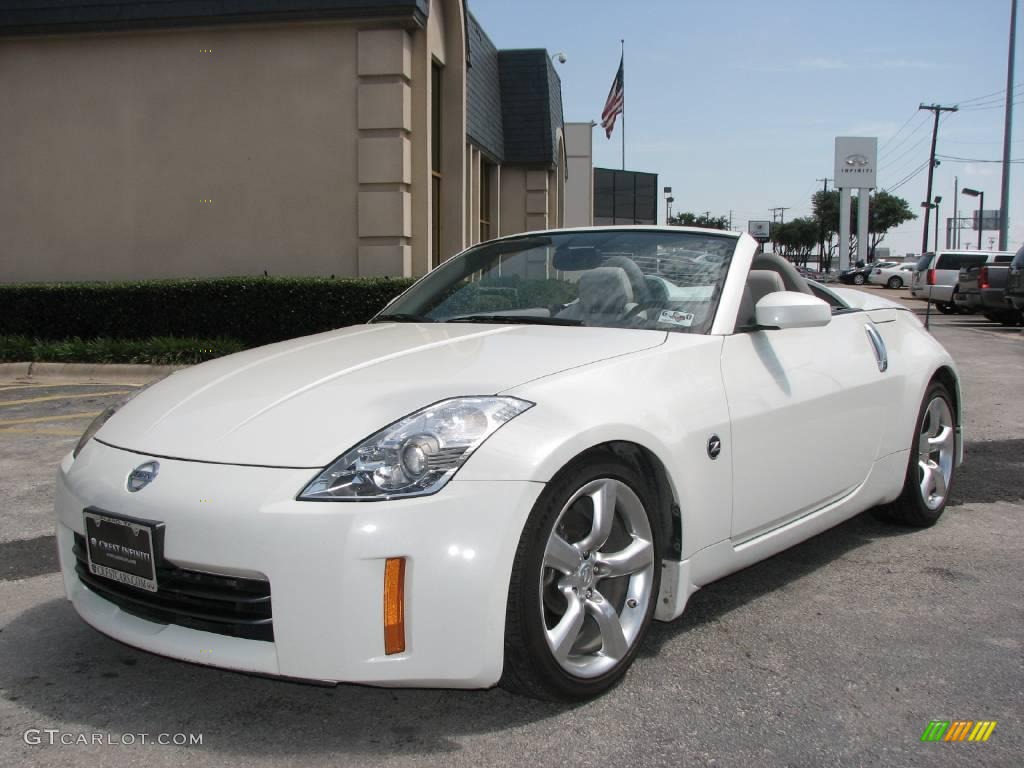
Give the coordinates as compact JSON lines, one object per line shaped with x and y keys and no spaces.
{"x":932,"y":464}
{"x":1010,"y":317}
{"x":945,"y":307}
{"x":894,"y":282}
{"x":585,"y":581}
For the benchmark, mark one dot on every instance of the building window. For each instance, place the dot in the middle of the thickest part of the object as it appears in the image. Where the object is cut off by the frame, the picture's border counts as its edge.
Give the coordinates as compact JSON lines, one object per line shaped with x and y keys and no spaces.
{"x":435,"y":162}
{"x":485,"y":200}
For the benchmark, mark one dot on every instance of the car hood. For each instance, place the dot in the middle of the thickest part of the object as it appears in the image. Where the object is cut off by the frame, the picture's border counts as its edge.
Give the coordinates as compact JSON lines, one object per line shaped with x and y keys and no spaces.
{"x":303,"y":402}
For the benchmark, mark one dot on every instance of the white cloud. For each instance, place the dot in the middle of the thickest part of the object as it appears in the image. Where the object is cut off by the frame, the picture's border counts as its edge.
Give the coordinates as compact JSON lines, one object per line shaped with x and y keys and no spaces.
{"x":822,"y":63}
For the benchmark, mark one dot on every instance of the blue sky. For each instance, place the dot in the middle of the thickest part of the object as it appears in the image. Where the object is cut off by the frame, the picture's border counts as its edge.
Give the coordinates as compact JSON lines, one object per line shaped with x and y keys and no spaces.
{"x":736,"y":105}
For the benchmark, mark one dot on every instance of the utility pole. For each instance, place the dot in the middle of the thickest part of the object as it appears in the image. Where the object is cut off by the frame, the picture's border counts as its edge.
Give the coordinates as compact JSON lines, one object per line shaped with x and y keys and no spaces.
{"x":780,"y":213}
{"x":936,"y":110}
{"x":1004,"y":210}
{"x":956,"y":214}
{"x":730,"y":220}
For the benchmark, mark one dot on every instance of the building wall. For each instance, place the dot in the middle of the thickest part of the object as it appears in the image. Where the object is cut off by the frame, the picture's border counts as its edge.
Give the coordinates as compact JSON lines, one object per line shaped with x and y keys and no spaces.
{"x":188,"y":152}
{"x":579,"y":186}
{"x":299,"y":148}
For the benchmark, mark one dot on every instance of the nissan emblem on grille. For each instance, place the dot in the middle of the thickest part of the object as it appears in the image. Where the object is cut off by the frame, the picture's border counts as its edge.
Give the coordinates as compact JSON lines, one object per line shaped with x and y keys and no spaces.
{"x":142,"y":475}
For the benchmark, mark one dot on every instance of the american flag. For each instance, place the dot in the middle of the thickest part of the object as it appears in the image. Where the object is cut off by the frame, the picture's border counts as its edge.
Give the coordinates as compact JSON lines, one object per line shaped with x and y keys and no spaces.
{"x":613,"y":106}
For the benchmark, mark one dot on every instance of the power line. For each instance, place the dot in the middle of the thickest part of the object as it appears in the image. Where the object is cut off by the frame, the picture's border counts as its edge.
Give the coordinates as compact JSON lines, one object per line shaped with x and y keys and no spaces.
{"x":891,"y":138}
{"x":907,"y":178}
{"x":1001,"y":91}
{"x":994,"y":106}
{"x":956,"y":159}
{"x":906,"y":138}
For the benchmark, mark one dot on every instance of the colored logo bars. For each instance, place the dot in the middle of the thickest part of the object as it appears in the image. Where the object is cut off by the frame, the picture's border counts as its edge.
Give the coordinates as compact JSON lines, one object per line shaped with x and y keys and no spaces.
{"x":958,"y":730}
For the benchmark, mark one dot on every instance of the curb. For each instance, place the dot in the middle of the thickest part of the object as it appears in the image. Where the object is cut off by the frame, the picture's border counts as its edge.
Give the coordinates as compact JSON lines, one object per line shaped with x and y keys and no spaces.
{"x":85,"y":373}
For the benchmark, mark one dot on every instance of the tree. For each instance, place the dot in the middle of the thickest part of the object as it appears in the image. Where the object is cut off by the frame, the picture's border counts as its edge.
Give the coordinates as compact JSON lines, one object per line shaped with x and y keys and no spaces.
{"x":796,"y":239}
{"x":886,"y":212}
{"x":688,"y":219}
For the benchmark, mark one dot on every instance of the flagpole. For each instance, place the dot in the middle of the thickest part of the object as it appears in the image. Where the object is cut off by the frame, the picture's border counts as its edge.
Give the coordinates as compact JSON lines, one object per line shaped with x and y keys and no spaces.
{"x":622,"y":43}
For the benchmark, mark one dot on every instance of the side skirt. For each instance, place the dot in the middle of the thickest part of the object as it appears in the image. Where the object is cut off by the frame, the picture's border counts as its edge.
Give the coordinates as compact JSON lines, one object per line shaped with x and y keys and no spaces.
{"x":680,"y":579}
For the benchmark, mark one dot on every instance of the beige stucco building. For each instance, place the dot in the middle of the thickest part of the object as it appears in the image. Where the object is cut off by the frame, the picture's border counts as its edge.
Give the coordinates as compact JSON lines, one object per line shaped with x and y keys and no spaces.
{"x":344,"y":137}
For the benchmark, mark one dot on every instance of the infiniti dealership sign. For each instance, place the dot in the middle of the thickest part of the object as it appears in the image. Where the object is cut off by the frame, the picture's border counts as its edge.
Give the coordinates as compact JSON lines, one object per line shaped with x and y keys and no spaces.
{"x":856,"y":162}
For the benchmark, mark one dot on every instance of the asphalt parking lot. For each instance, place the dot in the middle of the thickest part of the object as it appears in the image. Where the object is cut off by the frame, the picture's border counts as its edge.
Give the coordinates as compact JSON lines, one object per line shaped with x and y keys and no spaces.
{"x":837,"y":652}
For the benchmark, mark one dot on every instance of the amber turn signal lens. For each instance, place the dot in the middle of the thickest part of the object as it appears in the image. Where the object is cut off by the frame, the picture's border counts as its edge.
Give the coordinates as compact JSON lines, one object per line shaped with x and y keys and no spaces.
{"x":394,"y":605}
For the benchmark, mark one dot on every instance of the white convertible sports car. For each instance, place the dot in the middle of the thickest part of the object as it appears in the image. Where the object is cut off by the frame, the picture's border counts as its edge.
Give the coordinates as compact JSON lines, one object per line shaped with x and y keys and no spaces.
{"x":544,"y":444}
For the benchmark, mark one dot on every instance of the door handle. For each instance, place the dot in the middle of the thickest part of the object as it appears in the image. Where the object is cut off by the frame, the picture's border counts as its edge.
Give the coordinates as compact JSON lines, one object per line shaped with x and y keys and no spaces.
{"x":878,"y":345}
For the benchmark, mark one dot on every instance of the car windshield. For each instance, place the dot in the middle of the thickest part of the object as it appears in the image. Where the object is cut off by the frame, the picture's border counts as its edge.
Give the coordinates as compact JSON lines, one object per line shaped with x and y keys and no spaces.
{"x":609,"y":278}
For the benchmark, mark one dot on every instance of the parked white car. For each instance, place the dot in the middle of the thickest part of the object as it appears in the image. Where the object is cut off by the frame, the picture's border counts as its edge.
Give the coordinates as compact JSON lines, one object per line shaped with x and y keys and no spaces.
{"x":895,"y":276}
{"x":507,"y":474}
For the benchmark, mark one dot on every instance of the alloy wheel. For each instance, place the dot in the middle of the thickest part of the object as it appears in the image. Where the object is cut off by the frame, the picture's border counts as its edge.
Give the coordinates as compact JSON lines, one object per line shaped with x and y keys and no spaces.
{"x":597,"y":577}
{"x":935,"y":450}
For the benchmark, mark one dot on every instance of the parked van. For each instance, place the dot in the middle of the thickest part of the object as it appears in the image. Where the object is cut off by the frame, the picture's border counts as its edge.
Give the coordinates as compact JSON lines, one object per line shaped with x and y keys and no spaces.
{"x":936,"y":275}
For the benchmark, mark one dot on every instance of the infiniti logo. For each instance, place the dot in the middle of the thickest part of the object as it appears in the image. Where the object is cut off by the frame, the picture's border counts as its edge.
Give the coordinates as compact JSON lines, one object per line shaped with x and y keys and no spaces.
{"x":142,"y":475}
{"x":856,"y":161}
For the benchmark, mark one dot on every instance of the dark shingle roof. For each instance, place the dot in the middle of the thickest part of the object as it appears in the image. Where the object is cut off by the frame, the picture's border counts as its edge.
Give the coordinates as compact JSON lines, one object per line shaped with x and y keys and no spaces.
{"x":531,"y":104}
{"x":38,"y":16}
{"x":483,"y":93}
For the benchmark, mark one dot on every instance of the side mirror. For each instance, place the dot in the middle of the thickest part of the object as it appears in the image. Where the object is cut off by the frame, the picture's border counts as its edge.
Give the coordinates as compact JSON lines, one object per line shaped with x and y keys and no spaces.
{"x":789,"y":309}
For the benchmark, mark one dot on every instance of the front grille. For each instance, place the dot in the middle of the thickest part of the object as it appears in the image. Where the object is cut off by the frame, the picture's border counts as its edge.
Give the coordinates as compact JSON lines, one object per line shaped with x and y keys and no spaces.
{"x":226,"y":605}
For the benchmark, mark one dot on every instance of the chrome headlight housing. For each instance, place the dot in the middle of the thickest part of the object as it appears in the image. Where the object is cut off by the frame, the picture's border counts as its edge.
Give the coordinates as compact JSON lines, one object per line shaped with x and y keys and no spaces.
{"x":103,"y":418}
{"x":93,"y":428}
{"x":416,"y":455}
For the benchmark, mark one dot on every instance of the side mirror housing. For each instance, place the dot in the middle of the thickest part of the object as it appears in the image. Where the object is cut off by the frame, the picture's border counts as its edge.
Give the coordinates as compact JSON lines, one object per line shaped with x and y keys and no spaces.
{"x":790,"y":309}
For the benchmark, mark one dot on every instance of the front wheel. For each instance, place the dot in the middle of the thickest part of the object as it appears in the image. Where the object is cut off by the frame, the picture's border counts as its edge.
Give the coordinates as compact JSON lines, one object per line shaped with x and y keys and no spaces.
{"x":584,"y":583}
{"x":894,"y":282}
{"x":932,"y":464}
{"x":858,"y":279}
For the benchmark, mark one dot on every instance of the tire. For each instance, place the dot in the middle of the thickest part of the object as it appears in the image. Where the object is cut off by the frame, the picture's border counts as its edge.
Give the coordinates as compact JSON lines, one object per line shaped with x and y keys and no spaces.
{"x":858,"y":279}
{"x":920,"y":505}
{"x":894,"y":282}
{"x":945,"y":307}
{"x":557,"y":619}
{"x":992,"y":317}
{"x":1010,"y":318}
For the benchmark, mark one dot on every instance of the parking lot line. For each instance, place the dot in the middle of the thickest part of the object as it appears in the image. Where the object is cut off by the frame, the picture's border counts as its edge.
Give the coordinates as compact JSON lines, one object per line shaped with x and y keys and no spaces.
{"x":20,"y":431}
{"x":48,"y":398}
{"x":40,"y":419}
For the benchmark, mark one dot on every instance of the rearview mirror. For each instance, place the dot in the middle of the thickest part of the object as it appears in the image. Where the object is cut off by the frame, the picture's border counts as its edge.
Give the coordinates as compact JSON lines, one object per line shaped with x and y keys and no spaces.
{"x":576,"y":258}
{"x":789,"y":309}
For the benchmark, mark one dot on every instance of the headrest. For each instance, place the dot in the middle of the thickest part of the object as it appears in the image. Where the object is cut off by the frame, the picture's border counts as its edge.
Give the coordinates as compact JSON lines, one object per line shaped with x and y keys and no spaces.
{"x":605,"y":290}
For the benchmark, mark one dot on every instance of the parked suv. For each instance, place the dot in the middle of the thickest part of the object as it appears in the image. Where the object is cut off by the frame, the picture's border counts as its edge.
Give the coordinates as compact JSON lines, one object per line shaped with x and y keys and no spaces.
{"x":1015,"y":281}
{"x":983,"y":289}
{"x":937,"y":274}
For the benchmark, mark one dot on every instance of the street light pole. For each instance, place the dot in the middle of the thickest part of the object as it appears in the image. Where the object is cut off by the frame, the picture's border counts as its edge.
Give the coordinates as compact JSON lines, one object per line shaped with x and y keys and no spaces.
{"x":938,"y":199}
{"x":980,"y":194}
{"x":1004,"y":210}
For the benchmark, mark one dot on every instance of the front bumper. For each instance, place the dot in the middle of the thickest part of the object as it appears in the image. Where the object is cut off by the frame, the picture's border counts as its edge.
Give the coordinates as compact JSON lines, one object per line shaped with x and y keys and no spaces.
{"x":325,"y":565}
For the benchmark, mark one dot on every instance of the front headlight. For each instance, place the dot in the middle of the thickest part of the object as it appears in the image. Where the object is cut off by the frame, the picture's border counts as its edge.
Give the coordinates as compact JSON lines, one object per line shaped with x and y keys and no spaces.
{"x":93,"y":428}
{"x":417,"y":455}
{"x":103,"y":418}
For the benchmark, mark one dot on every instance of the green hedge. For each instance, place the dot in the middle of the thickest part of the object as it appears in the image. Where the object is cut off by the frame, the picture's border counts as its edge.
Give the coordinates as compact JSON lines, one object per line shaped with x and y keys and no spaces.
{"x":154,"y":351}
{"x":253,"y":310}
